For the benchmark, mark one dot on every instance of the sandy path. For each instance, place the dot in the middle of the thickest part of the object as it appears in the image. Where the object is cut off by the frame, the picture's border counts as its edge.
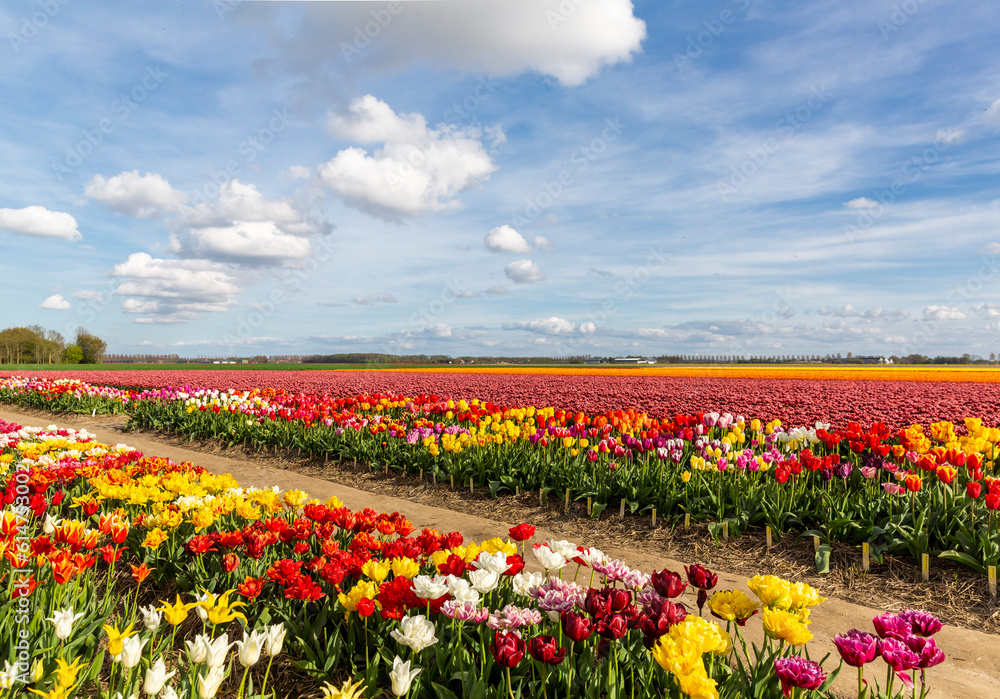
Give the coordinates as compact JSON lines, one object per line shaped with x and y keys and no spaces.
{"x":972,"y":670}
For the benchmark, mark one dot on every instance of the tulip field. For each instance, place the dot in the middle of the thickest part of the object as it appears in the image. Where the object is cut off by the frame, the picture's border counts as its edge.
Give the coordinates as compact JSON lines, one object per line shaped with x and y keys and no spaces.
{"x":129,"y":575}
{"x":910,"y":490}
{"x":894,"y":396}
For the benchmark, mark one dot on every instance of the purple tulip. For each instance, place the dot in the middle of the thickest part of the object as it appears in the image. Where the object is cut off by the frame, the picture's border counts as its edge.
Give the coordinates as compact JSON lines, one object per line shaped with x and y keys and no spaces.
{"x":857,"y":647}
{"x":889,"y":625}
{"x":898,"y":655}
{"x":922,"y":623}
{"x":798,"y":673}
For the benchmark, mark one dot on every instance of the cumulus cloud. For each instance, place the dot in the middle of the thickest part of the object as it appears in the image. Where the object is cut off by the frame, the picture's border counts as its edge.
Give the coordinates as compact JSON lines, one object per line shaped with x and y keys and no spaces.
{"x":543,"y":243}
{"x":243,"y":241}
{"x":506,"y":239}
{"x":568,"y":40}
{"x":88,"y":295}
{"x":135,"y":195}
{"x":55,"y":303}
{"x":496,"y":290}
{"x":414,"y":170}
{"x":862,"y":203}
{"x":239,"y":225}
{"x":524,"y":272}
{"x":943,"y":313}
{"x":543,"y":326}
{"x":180,"y":289}
{"x":39,"y":222}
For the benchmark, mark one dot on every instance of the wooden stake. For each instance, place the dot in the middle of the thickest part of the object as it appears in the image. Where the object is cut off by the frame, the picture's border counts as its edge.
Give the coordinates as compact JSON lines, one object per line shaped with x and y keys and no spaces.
{"x":567,"y":499}
{"x":421,"y":475}
{"x":452,"y":482}
{"x":541,"y":497}
{"x":472,"y":486}
{"x":925,"y":567}
{"x":621,"y":512}
{"x":517,"y":490}
{"x":654,"y":516}
{"x":725,"y":531}
{"x":816,"y":543}
{"x":687,"y":520}
{"x":590,"y":508}
{"x":866,"y":556}
{"x":434,"y":477}
{"x":770,"y":541}
{"x":992,"y":574}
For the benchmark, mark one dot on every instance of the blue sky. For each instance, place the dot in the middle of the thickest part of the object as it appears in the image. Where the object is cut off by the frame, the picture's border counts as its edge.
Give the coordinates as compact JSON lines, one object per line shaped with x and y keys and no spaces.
{"x":548,"y":177}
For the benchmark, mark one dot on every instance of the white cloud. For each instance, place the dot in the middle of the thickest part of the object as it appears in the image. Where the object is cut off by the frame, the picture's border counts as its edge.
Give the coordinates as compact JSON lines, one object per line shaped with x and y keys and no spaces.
{"x":88,"y":295}
{"x":506,"y":239}
{"x":244,"y":241}
{"x":991,"y":116}
{"x":987,"y":310}
{"x":181,"y":289}
{"x":543,"y":326}
{"x":543,"y":243}
{"x":862,"y":203}
{"x":570,"y":40}
{"x":132,"y":194}
{"x":942,"y":313}
{"x":382,"y":297}
{"x":496,"y":290}
{"x":297,"y":172}
{"x":523,"y":272}
{"x":416,"y":168}
{"x":40,"y":222}
{"x":990,"y":249}
{"x":55,"y":303}
{"x":949,"y":136}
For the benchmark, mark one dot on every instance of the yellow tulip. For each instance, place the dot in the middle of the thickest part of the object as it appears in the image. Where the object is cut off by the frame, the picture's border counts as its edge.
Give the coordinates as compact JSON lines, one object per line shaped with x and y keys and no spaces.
{"x":115,"y":637}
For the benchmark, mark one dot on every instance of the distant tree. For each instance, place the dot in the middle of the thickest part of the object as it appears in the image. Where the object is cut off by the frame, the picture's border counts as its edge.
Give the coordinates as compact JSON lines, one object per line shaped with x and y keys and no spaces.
{"x":72,"y":354}
{"x":92,"y":347}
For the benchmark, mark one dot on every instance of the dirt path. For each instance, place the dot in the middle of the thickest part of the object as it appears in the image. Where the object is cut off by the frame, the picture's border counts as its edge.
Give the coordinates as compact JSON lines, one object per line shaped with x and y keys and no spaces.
{"x":972,"y":670}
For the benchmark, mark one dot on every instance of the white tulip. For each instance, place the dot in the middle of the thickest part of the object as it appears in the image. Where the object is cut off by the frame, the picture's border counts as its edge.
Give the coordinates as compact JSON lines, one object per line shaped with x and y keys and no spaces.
{"x":132,"y":651}
{"x":426,"y":587}
{"x":156,"y":677}
{"x":550,"y":560}
{"x":567,"y":549}
{"x":8,"y":676}
{"x":197,"y":650}
{"x":249,"y":648}
{"x":151,"y":618}
{"x":402,"y":676}
{"x":417,"y":633}
{"x":50,"y":524}
{"x":497,"y":562}
{"x":484,"y":580}
{"x":461,"y":590}
{"x":217,"y":650}
{"x":169,"y":693}
{"x":525,"y":583}
{"x":208,"y":684}
{"x":275,"y":639}
{"x":63,"y":620}
{"x":204,"y":597}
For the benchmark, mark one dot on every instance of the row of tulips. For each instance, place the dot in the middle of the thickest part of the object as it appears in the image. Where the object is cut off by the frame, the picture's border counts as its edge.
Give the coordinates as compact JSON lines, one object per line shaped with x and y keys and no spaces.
{"x":94,"y":530}
{"x":911,"y":491}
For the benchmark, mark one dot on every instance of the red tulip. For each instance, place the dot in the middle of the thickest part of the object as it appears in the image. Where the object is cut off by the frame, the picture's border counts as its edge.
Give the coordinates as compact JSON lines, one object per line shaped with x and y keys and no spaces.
{"x":545,"y":649}
{"x":507,"y":649}
{"x":522,"y":532}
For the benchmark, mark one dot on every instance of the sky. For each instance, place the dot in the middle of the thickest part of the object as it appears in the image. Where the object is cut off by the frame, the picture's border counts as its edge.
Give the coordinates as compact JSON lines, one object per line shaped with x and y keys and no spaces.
{"x":503,"y":177}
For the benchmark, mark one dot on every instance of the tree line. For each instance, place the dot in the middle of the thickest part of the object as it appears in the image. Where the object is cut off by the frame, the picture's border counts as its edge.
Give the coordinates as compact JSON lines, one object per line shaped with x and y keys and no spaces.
{"x":36,"y":345}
